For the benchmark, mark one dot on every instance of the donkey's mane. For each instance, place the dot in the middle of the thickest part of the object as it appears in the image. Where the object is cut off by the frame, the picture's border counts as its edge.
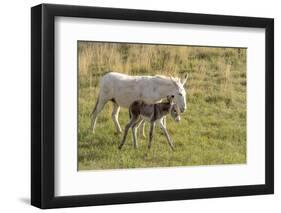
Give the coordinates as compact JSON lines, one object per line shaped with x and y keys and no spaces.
{"x":166,"y":77}
{"x":168,"y":80}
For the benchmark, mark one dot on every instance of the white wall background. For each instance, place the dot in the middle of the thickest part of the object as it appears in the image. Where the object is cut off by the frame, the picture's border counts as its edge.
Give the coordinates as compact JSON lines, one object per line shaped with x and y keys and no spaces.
{"x":15,"y":105}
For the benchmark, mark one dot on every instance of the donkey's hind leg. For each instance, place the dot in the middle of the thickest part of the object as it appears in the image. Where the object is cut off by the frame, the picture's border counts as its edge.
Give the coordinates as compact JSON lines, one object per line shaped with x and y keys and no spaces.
{"x":114,"y":115}
{"x":98,"y":107}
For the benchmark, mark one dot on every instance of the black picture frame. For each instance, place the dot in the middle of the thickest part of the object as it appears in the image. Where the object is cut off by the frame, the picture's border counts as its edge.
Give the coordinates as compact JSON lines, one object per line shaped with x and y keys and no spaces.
{"x":43,"y":105}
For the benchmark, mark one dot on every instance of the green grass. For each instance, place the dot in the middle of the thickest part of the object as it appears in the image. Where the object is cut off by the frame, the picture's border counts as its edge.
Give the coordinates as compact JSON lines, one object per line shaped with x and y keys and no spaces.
{"x":212,"y":130}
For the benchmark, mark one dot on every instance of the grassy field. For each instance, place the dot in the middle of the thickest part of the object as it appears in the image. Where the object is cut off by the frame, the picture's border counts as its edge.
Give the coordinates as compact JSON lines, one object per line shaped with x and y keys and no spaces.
{"x":212,"y":130}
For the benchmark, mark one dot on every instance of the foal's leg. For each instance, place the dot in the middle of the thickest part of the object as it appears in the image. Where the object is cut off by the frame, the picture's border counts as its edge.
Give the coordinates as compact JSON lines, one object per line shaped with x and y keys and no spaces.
{"x":128,"y":126}
{"x":163,"y":128}
{"x":114,"y":115}
{"x":98,"y":107}
{"x":152,"y":125}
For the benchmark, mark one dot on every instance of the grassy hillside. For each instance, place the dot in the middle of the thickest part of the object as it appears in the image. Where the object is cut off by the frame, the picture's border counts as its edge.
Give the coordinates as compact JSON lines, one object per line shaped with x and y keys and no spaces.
{"x":212,"y":130}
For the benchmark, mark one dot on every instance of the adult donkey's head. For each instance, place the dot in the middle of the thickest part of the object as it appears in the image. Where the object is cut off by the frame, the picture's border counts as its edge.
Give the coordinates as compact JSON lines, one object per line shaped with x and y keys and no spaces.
{"x":178,"y":93}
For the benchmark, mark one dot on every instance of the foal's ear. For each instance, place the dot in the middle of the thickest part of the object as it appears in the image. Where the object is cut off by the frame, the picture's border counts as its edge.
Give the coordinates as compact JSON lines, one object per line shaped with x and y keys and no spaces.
{"x":183,"y":81}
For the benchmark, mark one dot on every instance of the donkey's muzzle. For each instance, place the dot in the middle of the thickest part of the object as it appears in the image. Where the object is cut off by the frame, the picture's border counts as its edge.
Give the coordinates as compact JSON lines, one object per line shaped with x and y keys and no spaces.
{"x":182,"y":109}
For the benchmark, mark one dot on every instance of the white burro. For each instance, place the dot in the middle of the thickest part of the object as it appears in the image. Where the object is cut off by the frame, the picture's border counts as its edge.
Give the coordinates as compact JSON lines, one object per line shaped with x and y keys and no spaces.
{"x":122,"y":90}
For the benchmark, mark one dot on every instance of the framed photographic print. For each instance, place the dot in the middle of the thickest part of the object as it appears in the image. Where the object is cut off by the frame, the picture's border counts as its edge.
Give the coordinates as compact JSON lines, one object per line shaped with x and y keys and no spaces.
{"x":139,"y":106}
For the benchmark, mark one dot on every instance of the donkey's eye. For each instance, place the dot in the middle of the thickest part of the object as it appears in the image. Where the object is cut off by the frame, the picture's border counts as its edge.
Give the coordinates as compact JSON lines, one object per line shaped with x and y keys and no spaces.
{"x":180,"y":94}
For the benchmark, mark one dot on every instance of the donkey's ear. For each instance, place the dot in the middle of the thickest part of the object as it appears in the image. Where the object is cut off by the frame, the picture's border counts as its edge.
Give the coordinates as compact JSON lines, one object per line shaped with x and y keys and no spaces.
{"x":183,"y":81}
{"x":175,"y":82}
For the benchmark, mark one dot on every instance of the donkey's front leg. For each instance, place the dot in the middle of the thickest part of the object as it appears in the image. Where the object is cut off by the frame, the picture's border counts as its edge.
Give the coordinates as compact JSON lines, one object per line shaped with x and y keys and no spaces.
{"x":163,"y":128}
{"x":152,"y":125}
{"x":142,"y":129}
{"x":134,"y":130}
{"x":164,"y":121}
